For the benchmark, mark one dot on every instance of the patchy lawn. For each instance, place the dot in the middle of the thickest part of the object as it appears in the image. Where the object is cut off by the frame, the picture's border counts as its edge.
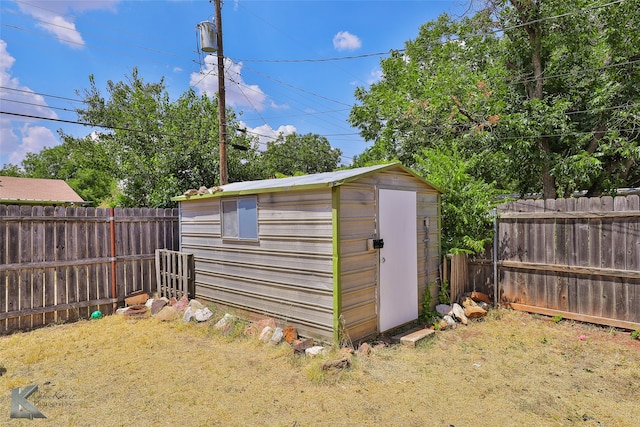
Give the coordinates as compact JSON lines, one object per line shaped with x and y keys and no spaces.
{"x":511,"y":369}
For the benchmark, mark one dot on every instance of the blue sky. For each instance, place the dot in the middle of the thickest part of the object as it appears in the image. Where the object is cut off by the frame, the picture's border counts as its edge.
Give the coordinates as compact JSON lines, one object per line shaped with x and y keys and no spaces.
{"x":48,"y":49}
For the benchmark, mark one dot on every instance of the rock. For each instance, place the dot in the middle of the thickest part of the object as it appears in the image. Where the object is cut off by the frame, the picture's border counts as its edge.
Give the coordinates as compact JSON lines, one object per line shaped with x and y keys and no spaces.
{"x":182,"y":304}
{"x":188,"y":315}
{"x":299,"y":346}
{"x":203,"y":190}
{"x":443,"y":324}
{"x":196,"y":305}
{"x":276,"y":337}
{"x":364,"y":349}
{"x":157,"y":306}
{"x":190,"y":192}
{"x":226,"y":320}
{"x":443,"y":309}
{"x":173,"y":301}
{"x":474,"y":312}
{"x":450,"y":321}
{"x":290,"y":334}
{"x":343,"y":363}
{"x":314,"y":351}
{"x":215,"y":189}
{"x":479,"y":296}
{"x":468,"y":302}
{"x":484,"y":305}
{"x":167,"y":313}
{"x":458,"y":312}
{"x":122,"y":310}
{"x":138,"y":310}
{"x":251,"y":330}
{"x":204,"y":314}
{"x":379,"y":346}
{"x":262,"y":323}
{"x":149,"y":302}
{"x":266,"y":334}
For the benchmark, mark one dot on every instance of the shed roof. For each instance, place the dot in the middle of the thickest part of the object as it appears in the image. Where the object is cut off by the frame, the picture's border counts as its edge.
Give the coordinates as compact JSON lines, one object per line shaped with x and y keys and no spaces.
{"x":37,"y":191}
{"x":304,"y":182}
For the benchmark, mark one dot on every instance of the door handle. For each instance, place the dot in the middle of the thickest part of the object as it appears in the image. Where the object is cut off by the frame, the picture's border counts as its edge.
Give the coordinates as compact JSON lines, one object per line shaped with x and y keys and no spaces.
{"x":383,"y":259}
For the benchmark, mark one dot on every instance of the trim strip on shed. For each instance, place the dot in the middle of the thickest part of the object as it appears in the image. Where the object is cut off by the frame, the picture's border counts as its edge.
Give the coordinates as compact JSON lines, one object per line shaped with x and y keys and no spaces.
{"x":337,"y":285}
{"x":304,"y":182}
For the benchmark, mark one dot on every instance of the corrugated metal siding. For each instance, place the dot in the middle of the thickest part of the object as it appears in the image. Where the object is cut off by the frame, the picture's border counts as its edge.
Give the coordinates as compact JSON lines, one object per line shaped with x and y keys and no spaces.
{"x":286,"y":274}
{"x":360,"y":267}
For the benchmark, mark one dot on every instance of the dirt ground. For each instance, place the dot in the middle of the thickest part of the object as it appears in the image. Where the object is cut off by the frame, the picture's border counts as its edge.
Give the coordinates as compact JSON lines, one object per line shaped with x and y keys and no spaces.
{"x":510,"y":369}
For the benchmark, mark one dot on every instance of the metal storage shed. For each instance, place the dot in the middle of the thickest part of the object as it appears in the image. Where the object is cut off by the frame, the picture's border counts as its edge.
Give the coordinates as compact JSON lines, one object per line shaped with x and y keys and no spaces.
{"x":348,"y":251}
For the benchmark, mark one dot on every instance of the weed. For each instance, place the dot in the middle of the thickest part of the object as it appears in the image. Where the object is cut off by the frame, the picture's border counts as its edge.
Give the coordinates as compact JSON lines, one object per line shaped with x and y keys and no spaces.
{"x":428,"y":313}
{"x":557,"y":318}
{"x":635,"y":335}
{"x":443,"y":294}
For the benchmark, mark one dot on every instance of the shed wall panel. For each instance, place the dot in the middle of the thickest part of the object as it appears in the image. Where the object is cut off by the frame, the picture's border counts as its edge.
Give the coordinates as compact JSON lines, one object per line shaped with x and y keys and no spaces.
{"x":287,"y":273}
{"x":360,"y":267}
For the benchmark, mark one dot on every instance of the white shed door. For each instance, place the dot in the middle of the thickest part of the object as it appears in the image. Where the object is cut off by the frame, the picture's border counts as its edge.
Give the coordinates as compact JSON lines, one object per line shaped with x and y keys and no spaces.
{"x":398,"y":258}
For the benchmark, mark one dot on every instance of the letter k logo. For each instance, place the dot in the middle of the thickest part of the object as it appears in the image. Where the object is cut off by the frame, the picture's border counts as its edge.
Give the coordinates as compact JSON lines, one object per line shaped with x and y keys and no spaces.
{"x":21,"y":407}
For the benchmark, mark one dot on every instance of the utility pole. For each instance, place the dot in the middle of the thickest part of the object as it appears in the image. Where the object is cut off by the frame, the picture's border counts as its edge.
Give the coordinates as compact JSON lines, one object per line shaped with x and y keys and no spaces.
{"x":222,"y":117}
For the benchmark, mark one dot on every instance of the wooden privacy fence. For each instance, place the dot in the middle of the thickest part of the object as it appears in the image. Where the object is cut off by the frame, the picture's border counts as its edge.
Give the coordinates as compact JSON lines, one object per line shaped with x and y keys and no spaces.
{"x":579,"y":258}
{"x":176,"y":274}
{"x":59,"y":263}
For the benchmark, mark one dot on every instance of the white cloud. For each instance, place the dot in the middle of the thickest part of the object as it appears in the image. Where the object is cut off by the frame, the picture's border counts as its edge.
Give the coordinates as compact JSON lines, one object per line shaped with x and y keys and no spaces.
{"x":20,"y":135}
{"x":52,"y":19}
{"x":238,"y":93}
{"x":375,"y":76}
{"x":34,"y":139}
{"x":346,"y":41}
{"x":266,"y":133}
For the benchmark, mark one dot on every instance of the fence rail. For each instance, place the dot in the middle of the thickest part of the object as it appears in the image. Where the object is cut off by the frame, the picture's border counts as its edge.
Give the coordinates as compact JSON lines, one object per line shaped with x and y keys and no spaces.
{"x":58,"y":264}
{"x":576,"y":257}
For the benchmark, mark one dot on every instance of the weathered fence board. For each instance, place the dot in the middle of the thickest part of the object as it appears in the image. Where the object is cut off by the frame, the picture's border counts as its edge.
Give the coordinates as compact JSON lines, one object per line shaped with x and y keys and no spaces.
{"x":575,"y":257}
{"x":176,"y":274}
{"x":55,"y":262}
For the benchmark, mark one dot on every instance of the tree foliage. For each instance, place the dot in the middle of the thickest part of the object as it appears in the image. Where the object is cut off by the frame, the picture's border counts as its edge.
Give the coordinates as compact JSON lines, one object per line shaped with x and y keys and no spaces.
{"x":152,"y":148}
{"x":300,"y":154}
{"x":161,"y":147}
{"x":542,"y":95}
{"x":466,"y":202}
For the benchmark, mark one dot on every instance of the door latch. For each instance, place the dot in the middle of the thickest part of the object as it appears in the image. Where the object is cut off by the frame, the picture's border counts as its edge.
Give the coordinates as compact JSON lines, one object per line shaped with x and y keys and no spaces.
{"x":378,"y":243}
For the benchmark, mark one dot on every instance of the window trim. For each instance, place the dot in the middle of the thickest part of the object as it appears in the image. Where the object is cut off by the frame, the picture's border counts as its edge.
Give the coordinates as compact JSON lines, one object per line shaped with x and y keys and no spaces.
{"x":238,"y":221}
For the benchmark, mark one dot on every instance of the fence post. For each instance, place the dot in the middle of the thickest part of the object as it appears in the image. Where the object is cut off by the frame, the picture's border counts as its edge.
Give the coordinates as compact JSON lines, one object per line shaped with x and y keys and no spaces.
{"x":112,"y":227}
{"x":495,"y":257}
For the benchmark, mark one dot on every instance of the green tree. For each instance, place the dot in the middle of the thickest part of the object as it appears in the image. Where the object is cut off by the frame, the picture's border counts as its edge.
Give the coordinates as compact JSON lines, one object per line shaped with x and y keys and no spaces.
{"x":543,"y":95}
{"x":466,"y":201}
{"x":161,"y":147}
{"x":82,"y":162}
{"x":300,"y":154}
{"x":10,"y":169}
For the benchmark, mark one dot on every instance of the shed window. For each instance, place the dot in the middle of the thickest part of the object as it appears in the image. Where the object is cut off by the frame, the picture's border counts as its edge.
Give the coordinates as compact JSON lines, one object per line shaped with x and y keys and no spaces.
{"x":240,"y":218}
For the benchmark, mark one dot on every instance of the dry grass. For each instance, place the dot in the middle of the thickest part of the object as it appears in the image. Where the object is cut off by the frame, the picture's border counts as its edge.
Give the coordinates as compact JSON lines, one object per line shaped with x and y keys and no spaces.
{"x":511,"y":369}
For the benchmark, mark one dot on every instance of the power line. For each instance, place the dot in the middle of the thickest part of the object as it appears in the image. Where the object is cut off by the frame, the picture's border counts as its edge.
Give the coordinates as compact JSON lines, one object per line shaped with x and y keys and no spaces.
{"x":37,"y":105}
{"x":341,"y":58}
{"x":464,"y":36}
{"x":296,"y":88}
{"x":41,"y":94}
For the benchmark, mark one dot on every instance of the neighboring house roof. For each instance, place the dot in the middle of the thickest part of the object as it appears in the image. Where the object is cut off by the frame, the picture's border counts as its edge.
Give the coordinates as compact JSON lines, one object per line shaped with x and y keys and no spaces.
{"x":305,"y":182}
{"x":34,"y":191}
